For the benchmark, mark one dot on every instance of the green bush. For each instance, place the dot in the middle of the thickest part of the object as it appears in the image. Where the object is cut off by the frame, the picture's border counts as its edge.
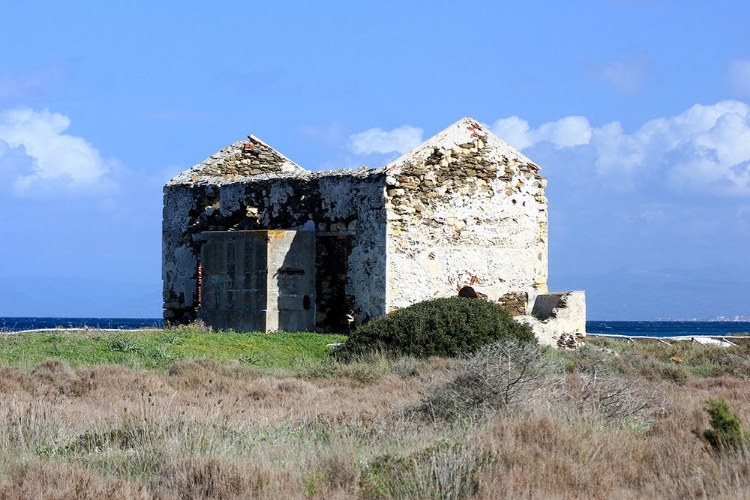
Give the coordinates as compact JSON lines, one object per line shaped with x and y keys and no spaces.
{"x":726,"y":428}
{"x":441,"y":327}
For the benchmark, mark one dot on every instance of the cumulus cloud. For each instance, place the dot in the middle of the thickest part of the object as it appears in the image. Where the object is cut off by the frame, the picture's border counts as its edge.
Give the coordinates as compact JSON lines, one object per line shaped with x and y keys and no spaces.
{"x":738,"y":75}
{"x":515,"y":131}
{"x":627,"y":75}
{"x":564,"y":133}
{"x":53,"y":162}
{"x":376,"y":140}
{"x":704,"y":149}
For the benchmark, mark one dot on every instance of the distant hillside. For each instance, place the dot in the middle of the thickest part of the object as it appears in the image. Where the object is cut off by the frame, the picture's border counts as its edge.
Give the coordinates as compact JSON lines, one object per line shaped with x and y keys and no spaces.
{"x":669,"y":293}
{"x":58,"y":297}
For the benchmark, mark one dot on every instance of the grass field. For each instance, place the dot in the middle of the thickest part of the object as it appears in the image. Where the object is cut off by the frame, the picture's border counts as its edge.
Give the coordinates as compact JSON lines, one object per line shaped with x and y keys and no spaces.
{"x":158,"y":349}
{"x":235,"y":416}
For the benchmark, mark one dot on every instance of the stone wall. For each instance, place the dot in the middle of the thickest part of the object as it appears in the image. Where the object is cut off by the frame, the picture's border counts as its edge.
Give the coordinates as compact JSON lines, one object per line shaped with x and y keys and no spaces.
{"x":344,"y":208}
{"x":465,"y":209}
{"x":516,"y":303}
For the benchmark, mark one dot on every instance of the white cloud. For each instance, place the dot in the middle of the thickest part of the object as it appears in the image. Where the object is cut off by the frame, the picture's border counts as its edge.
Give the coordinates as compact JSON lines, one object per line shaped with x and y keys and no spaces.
{"x":55,"y":162}
{"x":704,"y":149}
{"x":738,"y":75}
{"x":515,"y":131}
{"x":627,"y":75}
{"x":375,"y":140}
{"x":564,"y":133}
{"x":617,"y":152}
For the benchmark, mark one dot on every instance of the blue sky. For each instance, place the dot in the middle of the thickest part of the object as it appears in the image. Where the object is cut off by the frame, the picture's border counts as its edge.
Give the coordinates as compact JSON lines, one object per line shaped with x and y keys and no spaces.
{"x":638,"y":112}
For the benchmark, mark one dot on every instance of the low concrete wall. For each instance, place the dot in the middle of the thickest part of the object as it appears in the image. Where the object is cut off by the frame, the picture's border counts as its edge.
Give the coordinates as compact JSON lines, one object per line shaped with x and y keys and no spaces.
{"x":558,"y":319}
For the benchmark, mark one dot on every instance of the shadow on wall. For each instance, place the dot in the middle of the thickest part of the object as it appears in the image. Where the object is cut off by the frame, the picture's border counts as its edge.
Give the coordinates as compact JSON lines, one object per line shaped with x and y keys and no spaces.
{"x":558,"y":318}
{"x":332,"y":267}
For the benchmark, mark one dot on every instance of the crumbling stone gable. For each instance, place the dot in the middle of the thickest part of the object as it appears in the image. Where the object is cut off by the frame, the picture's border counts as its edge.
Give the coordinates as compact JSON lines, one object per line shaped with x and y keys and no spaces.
{"x":240,"y":160}
{"x":465,"y":209}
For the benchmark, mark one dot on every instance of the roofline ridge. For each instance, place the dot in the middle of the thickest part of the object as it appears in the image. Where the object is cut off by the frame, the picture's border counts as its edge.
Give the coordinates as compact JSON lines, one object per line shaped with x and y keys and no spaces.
{"x":476,"y":129}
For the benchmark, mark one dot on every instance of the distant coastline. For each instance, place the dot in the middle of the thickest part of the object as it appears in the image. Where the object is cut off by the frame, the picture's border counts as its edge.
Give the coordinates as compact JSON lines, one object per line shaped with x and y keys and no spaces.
{"x":662,"y":328}
{"x":14,"y":324}
{"x":719,"y":319}
{"x":669,"y":328}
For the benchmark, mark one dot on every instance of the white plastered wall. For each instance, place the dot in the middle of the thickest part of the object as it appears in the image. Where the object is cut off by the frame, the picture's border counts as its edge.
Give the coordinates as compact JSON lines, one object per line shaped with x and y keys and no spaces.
{"x":465,"y":209}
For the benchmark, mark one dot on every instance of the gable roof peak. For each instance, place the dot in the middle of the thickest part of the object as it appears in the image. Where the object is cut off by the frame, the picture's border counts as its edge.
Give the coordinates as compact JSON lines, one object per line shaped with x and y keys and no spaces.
{"x":241,"y":159}
{"x":466,"y":132}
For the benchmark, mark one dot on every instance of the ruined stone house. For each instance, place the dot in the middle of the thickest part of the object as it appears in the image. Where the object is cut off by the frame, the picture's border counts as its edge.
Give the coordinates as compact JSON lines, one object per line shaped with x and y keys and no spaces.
{"x":252,"y":241}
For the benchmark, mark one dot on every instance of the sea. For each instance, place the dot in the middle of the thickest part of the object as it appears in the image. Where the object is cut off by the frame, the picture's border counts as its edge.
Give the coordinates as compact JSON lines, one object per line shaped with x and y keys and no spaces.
{"x":19,"y":324}
{"x":669,"y":328}
{"x":630,"y":328}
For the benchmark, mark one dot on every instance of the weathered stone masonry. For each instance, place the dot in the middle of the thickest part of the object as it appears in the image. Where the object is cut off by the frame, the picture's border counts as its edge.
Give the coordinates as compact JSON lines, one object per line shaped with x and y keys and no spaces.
{"x":464,"y":208}
{"x":341,"y":207}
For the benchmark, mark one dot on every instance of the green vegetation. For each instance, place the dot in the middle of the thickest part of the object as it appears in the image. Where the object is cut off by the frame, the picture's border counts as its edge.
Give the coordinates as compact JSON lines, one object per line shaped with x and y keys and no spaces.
{"x":158,"y":349}
{"x":726,"y":428}
{"x":441,"y":327}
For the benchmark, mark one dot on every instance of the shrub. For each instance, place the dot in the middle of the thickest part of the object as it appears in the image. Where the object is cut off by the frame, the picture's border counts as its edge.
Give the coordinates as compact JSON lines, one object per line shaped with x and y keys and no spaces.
{"x":54,"y":371}
{"x":440,"y":327}
{"x":498,"y":376}
{"x":726,"y":429}
{"x":161,"y":353}
{"x":611,"y":397}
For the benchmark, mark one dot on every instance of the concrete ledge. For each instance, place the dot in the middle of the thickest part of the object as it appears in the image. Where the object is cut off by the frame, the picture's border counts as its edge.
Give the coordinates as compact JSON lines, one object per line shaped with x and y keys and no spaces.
{"x":558,"y":319}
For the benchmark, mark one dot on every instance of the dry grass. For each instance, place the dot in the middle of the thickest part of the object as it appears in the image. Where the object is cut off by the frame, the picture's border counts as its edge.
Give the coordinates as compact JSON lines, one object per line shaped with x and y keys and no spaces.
{"x":593,"y":425}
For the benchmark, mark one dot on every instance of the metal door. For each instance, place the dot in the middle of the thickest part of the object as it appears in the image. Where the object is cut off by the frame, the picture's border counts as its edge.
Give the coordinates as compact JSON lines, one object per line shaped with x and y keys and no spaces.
{"x":234,"y":293}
